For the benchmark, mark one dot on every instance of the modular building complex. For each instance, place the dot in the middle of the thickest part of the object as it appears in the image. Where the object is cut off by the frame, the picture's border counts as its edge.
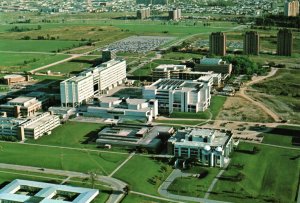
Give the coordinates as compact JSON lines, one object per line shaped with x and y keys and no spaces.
{"x":210,"y":147}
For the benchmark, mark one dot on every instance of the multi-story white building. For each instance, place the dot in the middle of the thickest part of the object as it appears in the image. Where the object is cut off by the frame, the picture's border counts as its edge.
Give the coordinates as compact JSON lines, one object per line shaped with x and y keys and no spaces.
{"x":179,"y":95}
{"x":210,"y":147}
{"x":34,"y":127}
{"x":94,"y":81}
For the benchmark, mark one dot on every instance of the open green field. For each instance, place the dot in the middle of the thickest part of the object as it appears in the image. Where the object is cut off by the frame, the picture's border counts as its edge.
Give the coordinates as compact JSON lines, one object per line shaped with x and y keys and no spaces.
{"x":71,"y":134}
{"x":144,"y":174}
{"x":18,"y":62}
{"x":193,"y":186}
{"x":271,"y":175}
{"x":216,"y":105}
{"x":283,"y":136}
{"x":60,"y":158}
{"x":74,"y":66}
{"x":281,"y":93}
{"x":180,"y":56}
{"x":37,"y":45}
{"x":179,"y":122}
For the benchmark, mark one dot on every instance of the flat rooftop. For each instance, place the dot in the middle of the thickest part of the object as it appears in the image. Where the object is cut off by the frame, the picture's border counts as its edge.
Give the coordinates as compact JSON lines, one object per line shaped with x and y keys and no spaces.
{"x":21,"y":100}
{"x":45,"y":192}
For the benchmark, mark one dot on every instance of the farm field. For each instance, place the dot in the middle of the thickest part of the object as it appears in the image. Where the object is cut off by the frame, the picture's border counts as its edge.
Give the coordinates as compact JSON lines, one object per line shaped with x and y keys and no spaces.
{"x":19,"y":62}
{"x":74,"y":66}
{"x":60,"y":158}
{"x":134,"y":173}
{"x":37,"y":45}
{"x":262,"y":178}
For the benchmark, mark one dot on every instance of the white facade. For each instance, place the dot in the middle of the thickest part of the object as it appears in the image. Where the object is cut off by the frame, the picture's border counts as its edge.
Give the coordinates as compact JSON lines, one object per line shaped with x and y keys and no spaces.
{"x":40,"y":125}
{"x":209,"y":147}
{"x":179,"y":95}
{"x":99,"y":80}
{"x":128,"y":109}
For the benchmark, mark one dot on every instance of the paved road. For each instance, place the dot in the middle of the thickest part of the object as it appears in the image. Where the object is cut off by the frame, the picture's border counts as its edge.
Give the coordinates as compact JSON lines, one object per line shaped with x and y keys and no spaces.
{"x":243,"y":94}
{"x":154,"y":197}
{"x":162,"y":190}
{"x":115,"y":184}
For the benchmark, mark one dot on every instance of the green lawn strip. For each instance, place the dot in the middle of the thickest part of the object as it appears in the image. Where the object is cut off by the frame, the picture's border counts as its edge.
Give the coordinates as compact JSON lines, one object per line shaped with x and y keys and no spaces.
{"x":27,"y":62}
{"x":74,"y":66}
{"x":134,"y":198}
{"x":144,"y":174}
{"x":10,"y":175}
{"x":60,"y":158}
{"x":216,"y":105}
{"x":71,"y":134}
{"x":270,"y":175}
{"x":180,"y":56}
{"x":37,"y":45}
{"x":193,"y":186}
{"x":282,"y":135}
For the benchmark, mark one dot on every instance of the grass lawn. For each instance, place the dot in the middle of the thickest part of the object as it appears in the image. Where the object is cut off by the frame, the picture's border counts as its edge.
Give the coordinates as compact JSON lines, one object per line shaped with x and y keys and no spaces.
{"x":37,"y":45}
{"x":180,"y":56}
{"x":216,"y":105}
{"x":283,"y":136}
{"x":271,"y":175}
{"x":144,"y":174}
{"x":71,"y":134}
{"x":59,"y":158}
{"x":26,"y":62}
{"x":133,"y":198}
{"x":195,"y":187}
{"x":73,"y":66}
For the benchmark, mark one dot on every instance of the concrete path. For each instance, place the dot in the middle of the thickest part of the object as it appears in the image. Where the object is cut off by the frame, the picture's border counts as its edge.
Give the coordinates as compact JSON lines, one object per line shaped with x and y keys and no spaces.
{"x":115,"y":184}
{"x":154,"y":197}
{"x":122,"y":164}
{"x":162,"y":190}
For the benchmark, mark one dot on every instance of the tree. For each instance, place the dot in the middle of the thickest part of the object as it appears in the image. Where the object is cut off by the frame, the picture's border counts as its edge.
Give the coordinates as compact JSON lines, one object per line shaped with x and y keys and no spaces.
{"x":93,"y":177}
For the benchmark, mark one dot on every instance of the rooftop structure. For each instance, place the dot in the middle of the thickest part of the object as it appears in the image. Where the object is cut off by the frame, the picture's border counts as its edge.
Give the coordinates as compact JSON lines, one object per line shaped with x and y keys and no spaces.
{"x":134,"y":136}
{"x":179,"y":95}
{"x":210,"y":147}
{"x":32,"y":191}
{"x":34,"y":127}
{"x":124,"y":108}
{"x":21,"y":107}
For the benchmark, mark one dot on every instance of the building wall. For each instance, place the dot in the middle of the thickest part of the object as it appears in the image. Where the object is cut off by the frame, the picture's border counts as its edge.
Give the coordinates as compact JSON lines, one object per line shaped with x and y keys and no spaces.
{"x":284,"y":42}
{"x":217,"y":43}
{"x":251,"y":43}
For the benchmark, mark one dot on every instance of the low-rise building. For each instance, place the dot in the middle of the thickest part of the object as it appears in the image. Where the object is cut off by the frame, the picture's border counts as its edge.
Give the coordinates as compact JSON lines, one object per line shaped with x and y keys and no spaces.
{"x":14,"y":79}
{"x":179,"y":95}
{"x":168,"y":71}
{"x":127,"y":109}
{"x":34,"y":127}
{"x":21,"y":107}
{"x":208,"y":146}
{"x":78,"y":90}
{"x":213,"y":64}
{"x":32,"y":191}
{"x":135,"y":136}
